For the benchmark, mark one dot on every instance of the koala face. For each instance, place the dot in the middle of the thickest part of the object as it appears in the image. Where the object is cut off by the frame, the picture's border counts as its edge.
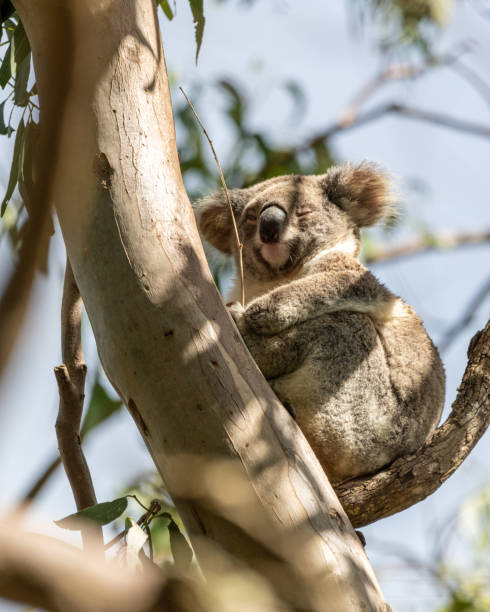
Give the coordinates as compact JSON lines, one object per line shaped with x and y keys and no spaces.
{"x":284,"y":222}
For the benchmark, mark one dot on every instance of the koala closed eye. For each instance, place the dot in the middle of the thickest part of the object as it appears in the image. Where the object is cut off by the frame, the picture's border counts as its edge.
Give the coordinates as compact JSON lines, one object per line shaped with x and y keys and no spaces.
{"x":352,"y":360}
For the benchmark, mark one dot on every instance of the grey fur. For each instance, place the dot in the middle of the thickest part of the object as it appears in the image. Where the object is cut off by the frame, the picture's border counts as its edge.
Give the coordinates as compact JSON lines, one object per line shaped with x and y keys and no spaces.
{"x":348,"y":358}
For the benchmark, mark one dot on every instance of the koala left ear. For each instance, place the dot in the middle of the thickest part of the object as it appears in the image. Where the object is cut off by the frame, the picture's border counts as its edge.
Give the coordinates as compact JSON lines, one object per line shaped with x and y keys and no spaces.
{"x":214,"y":219}
{"x":364,"y":191}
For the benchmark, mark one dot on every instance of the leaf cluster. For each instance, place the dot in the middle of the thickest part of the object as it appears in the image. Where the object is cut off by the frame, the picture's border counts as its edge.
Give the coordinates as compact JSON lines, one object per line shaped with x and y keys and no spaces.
{"x":135,"y":533}
{"x":19,"y":103}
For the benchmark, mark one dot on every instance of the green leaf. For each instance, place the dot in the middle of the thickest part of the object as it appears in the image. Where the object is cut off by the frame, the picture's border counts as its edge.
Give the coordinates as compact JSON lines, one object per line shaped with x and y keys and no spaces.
{"x":17,"y":162}
{"x":20,"y":46}
{"x":237,"y":103}
{"x":199,"y":21}
{"x":5,"y":70}
{"x":181,"y":551}
{"x":102,"y":514}
{"x":165,"y":6}
{"x":100,"y":408}
{"x":21,"y":95}
{"x":3,"y":127}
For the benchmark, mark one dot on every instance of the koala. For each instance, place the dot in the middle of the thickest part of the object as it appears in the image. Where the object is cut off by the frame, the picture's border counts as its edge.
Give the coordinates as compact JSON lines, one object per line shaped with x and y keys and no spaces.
{"x":350,"y":360}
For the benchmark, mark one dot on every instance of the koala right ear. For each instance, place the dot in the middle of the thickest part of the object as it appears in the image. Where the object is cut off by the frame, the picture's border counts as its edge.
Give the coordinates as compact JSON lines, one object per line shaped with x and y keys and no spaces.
{"x":214,"y":218}
{"x":365,"y":192}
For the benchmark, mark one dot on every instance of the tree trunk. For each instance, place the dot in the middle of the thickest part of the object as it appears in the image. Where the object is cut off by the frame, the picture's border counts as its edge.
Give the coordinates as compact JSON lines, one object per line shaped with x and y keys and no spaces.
{"x":237,"y":467}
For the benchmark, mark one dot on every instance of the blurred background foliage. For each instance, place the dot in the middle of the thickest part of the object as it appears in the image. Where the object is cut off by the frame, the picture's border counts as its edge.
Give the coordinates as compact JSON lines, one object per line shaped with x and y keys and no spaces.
{"x":403,"y":31}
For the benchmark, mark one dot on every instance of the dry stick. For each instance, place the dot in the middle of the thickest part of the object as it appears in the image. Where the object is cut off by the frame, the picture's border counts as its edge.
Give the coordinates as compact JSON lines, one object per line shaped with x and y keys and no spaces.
{"x":237,"y":237}
{"x":70,"y":376}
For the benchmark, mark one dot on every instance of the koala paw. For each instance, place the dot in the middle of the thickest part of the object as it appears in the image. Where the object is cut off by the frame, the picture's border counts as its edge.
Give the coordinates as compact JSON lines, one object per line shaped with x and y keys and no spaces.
{"x":236,"y":311}
{"x":261,"y":317}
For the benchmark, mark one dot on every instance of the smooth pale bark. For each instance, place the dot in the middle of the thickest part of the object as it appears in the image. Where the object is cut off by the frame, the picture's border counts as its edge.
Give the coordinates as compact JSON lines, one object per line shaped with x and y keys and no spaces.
{"x":163,"y":335}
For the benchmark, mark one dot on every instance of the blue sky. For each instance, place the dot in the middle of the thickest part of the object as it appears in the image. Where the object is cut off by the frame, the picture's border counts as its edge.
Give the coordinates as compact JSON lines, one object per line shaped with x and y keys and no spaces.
{"x":313,"y":43}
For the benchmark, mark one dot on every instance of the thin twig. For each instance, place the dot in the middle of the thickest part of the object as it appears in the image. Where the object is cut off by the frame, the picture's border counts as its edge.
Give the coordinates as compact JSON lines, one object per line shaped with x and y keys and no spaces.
{"x":70,"y":376}
{"x":237,"y":237}
{"x":425,"y":245}
{"x":39,"y":483}
{"x":466,"y":317}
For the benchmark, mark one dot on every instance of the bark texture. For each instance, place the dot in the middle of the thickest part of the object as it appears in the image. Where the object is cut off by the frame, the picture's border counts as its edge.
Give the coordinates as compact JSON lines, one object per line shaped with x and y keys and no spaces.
{"x":164,"y":338}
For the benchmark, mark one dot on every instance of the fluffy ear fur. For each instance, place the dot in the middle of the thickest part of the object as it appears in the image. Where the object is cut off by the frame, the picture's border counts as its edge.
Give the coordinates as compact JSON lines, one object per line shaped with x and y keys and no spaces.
{"x":214,"y":219}
{"x":364,"y":191}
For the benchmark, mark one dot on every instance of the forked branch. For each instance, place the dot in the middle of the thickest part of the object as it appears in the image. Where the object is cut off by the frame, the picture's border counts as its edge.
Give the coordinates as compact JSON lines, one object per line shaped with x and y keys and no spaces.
{"x":410,"y":479}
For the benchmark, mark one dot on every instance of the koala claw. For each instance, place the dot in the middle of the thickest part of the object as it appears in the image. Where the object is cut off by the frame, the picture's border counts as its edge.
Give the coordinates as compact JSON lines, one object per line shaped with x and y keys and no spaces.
{"x":236,"y":311}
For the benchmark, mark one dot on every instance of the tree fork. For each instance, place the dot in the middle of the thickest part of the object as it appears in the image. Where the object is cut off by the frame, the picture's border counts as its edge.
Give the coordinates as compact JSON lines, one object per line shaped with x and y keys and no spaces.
{"x":162,"y":332}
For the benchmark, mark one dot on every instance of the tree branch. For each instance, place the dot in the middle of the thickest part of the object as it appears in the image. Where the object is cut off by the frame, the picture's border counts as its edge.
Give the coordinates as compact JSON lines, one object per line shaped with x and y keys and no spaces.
{"x":70,"y":377}
{"x":470,"y":127}
{"x":395,"y":72}
{"x":410,"y":479}
{"x":426,"y":244}
{"x":345,"y":124}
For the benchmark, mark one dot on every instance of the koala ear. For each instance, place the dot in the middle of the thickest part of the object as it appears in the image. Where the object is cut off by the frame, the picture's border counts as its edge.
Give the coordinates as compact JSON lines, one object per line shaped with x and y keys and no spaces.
{"x":365,"y":192}
{"x":214,"y":218}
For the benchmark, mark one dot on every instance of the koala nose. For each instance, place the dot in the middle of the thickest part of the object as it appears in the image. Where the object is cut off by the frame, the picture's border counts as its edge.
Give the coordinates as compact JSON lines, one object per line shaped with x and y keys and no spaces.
{"x":271,"y":223}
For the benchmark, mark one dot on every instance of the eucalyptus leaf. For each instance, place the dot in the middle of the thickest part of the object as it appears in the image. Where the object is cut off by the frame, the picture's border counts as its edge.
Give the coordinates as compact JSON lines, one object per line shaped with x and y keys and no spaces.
{"x":102,"y":514}
{"x":181,"y":551}
{"x":5,"y":70}
{"x":166,"y":8}
{"x":17,"y":161}
{"x":20,"y":44}
{"x":3,"y":127}
{"x":199,"y":21}
{"x":237,"y":103}
{"x":100,"y":408}
{"x":21,"y":95}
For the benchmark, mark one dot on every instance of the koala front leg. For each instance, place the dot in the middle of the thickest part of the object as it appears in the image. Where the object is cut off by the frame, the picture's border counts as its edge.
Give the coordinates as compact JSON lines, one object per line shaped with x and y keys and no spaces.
{"x":352,"y":288}
{"x":275,"y":355}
